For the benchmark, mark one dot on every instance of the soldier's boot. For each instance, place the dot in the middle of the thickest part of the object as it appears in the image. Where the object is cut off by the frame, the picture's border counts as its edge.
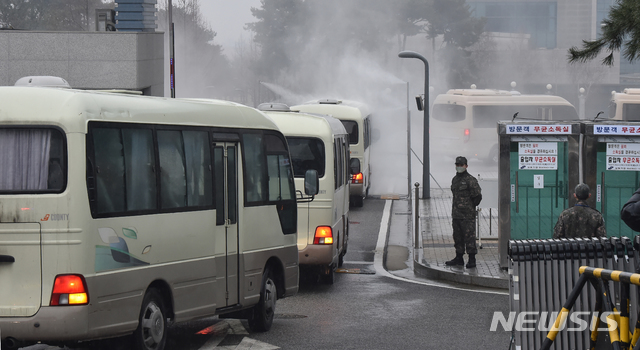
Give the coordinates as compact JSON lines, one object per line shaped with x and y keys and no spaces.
{"x":472,"y":261}
{"x":457,"y":261}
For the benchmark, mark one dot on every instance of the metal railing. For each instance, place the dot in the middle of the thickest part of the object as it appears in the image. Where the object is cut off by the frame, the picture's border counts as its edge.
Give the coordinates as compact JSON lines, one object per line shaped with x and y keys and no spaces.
{"x":543,"y":276}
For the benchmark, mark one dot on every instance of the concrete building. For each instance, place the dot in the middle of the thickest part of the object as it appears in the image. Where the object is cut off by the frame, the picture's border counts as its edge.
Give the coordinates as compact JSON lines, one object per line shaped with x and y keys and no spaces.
{"x":132,"y":60}
{"x":87,"y":60}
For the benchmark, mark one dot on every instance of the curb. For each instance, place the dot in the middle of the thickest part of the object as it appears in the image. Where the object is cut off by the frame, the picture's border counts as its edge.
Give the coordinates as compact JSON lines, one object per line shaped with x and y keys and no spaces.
{"x":424,"y":270}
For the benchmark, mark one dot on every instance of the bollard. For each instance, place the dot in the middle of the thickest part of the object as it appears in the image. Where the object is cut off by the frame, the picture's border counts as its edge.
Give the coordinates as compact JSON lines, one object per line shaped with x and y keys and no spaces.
{"x":417,"y":217}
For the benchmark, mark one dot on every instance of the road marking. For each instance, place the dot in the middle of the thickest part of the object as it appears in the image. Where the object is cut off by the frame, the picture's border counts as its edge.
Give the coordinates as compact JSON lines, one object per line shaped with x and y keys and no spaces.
{"x":379,"y":257}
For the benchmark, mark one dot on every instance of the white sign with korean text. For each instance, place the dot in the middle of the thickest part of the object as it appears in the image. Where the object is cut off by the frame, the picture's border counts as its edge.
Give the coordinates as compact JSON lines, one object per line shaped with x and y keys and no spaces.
{"x":563,"y":129}
{"x":538,"y":155}
{"x":623,"y":156}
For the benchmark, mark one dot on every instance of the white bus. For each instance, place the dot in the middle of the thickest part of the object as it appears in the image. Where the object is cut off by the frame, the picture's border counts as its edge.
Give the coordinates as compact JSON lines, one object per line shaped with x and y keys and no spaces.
{"x":318,"y":142}
{"x":356,"y":118}
{"x":464,"y":121}
{"x":121,"y":214}
{"x":625,"y":105}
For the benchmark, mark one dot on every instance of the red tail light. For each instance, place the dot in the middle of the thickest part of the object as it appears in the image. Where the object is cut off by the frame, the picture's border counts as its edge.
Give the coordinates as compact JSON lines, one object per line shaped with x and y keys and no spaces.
{"x":467,"y":135}
{"x":69,"y":290}
{"x":323,"y":235}
{"x":357,"y":178}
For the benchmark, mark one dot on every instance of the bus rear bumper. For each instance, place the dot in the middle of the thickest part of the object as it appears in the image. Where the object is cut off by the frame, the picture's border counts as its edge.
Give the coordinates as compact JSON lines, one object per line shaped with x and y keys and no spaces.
{"x":316,"y":254}
{"x":49,"y":325}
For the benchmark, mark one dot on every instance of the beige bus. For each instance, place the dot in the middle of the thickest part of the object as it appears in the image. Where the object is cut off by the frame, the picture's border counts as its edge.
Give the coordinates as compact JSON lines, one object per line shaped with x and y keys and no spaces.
{"x":121,"y":214}
{"x":321,"y":143}
{"x":464,"y":121}
{"x":356,"y":118}
{"x":625,"y":105}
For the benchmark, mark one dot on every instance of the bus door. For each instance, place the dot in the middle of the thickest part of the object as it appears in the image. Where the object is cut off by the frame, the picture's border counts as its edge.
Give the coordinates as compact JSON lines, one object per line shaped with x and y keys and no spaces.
{"x":225,"y":157}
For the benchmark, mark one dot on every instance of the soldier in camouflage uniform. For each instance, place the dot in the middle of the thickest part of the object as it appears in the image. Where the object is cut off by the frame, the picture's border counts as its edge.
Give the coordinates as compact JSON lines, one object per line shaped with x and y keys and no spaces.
{"x":581,"y":220}
{"x":466,"y":196}
{"x":630,"y":212}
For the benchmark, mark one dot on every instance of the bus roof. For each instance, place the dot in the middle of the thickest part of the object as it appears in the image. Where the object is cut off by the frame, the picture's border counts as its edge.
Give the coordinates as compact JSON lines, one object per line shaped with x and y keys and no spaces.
{"x":72,"y":109}
{"x":627,"y":95}
{"x":496,"y":97}
{"x":341,"y":109}
{"x":305,"y":124}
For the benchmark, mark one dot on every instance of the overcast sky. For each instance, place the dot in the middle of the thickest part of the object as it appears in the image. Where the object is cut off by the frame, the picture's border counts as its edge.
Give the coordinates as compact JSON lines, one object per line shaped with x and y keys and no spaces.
{"x":227,"y":18}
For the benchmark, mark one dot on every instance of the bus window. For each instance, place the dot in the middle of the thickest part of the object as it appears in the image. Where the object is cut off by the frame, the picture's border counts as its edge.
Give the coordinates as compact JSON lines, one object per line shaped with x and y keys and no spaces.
{"x":281,"y":187}
{"x":218,"y":165}
{"x":197,"y":155}
{"x":124,"y":162}
{"x":449,"y":113}
{"x":306,"y":154}
{"x":232,"y":185}
{"x":367,"y":133}
{"x":352,"y":130}
{"x":32,"y":160}
{"x":254,"y":169}
{"x":173,"y":181}
{"x":631,"y":111}
{"x":279,"y":167}
{"x":563,"y":113}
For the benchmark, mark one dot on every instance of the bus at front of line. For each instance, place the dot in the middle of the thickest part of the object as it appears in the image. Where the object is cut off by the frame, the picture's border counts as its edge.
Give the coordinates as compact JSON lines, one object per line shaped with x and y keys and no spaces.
{"x":121,"y":214}
{"x":320,"y":143}
{"x":356,"y":118}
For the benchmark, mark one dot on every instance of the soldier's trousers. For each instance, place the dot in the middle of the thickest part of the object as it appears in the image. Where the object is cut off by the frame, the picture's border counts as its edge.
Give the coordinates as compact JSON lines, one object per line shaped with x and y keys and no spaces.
{"x":464,"y":236}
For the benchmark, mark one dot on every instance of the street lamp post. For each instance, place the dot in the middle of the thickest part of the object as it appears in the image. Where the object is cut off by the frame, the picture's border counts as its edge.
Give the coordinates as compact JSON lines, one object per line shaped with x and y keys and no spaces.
{"x":426,"y":185}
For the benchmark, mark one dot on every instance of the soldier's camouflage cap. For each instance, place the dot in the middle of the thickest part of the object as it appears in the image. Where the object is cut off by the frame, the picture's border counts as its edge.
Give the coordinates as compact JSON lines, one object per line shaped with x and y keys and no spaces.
{"x":461,"y":160}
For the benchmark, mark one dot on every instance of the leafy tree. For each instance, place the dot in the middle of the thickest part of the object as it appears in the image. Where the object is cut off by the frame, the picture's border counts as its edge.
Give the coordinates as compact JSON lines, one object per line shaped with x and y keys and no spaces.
{"x":276,"y":21}
{"x":452,"y":20}
{"x":410,"y":19}
{"x":201,"y":68}
{"x":49,"y":15}
{"x":621,"y":28}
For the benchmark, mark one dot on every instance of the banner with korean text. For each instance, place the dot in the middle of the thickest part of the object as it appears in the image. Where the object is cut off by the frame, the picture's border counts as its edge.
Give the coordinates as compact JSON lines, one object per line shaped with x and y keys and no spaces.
{"x":623,"y":156}
{"x":538,"y":155}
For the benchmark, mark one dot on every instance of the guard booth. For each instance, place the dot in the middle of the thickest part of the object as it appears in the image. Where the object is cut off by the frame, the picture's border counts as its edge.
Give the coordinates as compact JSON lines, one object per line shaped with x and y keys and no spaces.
{"x":537,"y":172}
{"x":611,"y":165}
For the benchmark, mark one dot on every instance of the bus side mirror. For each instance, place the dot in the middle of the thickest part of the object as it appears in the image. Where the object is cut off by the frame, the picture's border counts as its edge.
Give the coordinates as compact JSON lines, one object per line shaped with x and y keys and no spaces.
{"x":354,"y":165}
{"x":311,"y":182}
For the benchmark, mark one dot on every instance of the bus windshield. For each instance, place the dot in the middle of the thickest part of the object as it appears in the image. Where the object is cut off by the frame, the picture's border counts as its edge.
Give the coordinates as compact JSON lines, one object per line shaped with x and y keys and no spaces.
{"x":306,"y":153}
{"x":32,"y":160}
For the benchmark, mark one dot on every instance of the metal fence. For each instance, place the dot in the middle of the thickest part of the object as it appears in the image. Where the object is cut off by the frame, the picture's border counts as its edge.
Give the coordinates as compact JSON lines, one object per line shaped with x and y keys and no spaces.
{"x":543,"y":274}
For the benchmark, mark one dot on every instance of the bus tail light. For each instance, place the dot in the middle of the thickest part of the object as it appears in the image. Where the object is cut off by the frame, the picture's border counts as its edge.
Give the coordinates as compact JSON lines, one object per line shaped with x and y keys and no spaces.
{"x":357,"y":178}
{"x":69,"y":290}
{"x":467,"y":135}
{"x":324,"y":235}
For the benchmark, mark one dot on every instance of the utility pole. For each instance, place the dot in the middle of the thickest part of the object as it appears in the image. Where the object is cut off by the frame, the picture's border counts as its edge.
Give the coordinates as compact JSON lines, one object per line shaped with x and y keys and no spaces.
{"x":172,"y":62}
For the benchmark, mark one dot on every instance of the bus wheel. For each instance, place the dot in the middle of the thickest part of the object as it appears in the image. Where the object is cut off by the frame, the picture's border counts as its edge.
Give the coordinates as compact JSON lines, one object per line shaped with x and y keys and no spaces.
{"x":151,"y":333}
{"x":262,"y":317}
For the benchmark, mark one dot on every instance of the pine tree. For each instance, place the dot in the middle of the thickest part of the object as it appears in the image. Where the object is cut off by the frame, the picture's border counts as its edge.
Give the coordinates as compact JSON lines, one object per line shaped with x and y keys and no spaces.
{"x":620,"y":29}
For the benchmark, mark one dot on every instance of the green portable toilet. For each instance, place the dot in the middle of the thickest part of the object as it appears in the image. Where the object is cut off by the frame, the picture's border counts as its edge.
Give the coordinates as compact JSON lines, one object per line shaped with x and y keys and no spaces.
{"x":537,"y":171}
{"x":611,"y":168}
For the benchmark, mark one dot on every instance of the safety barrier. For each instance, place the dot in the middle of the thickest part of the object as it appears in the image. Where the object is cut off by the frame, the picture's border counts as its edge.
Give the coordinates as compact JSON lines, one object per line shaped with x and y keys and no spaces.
{"x":543,"y":274}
